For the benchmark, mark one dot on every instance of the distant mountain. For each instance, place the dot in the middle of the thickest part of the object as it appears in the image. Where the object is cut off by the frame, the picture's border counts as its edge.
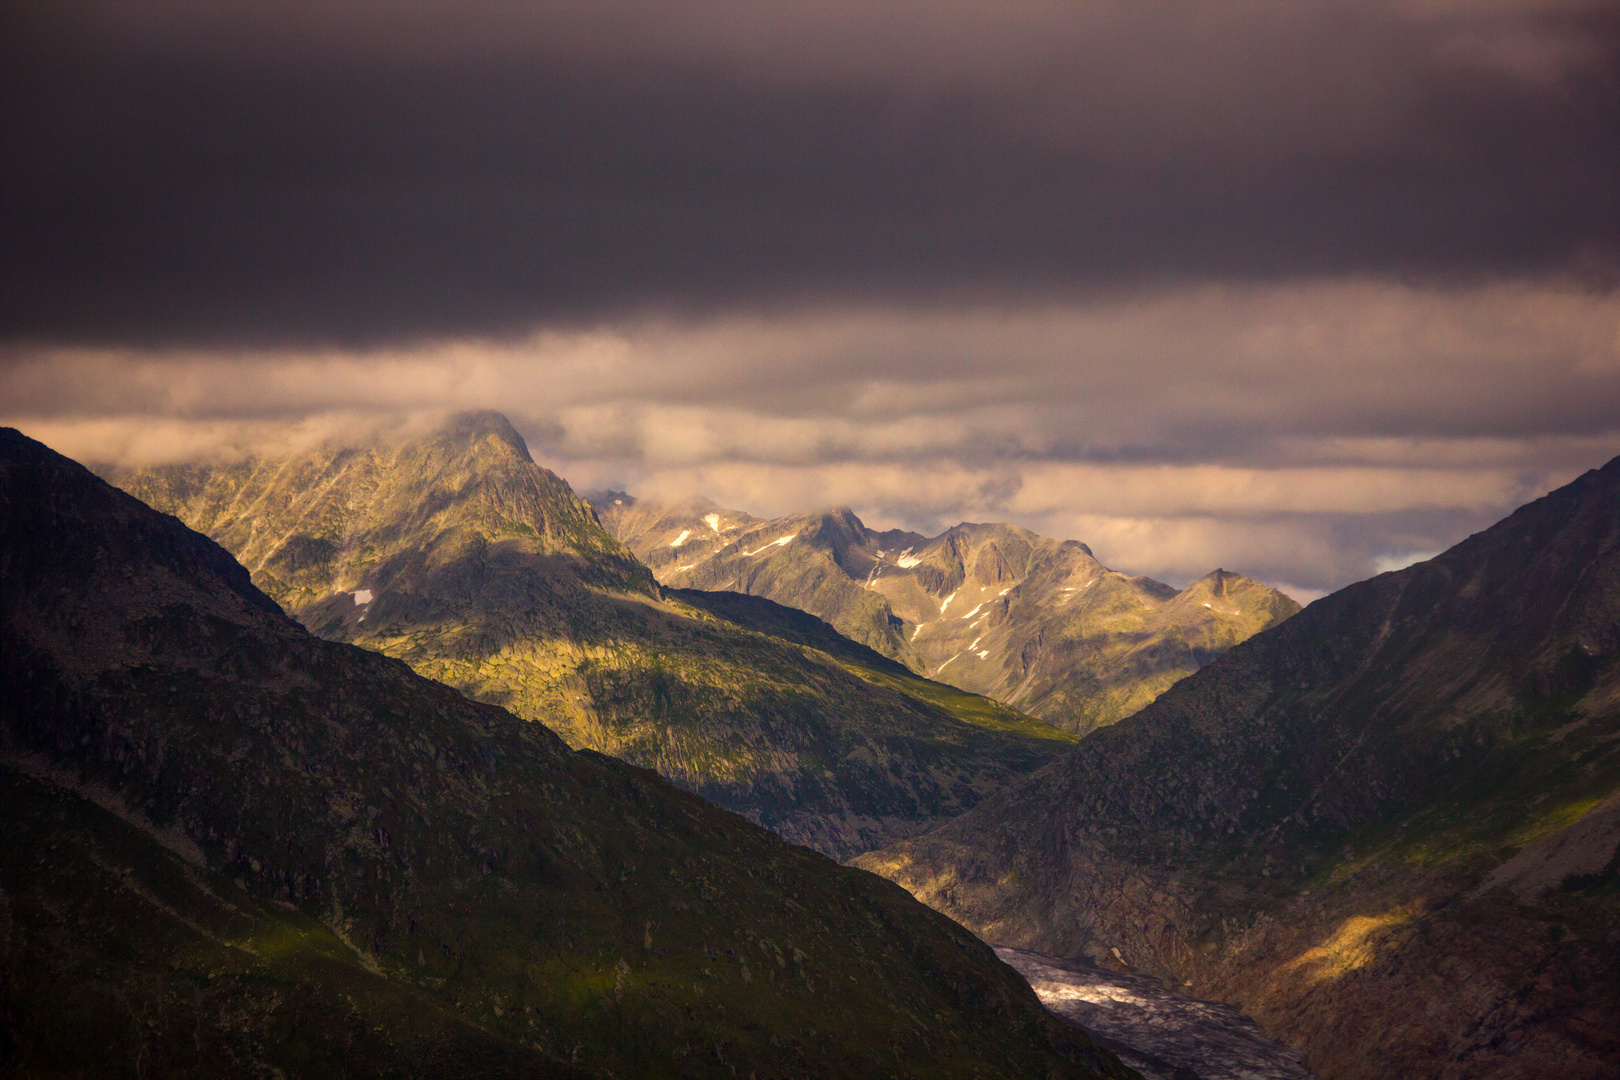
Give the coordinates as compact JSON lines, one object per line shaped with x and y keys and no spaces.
{"x":234,"y":849}
{"x":453,"y":551}
{"x":1387,"y":828}
{"x":1035,"y":623}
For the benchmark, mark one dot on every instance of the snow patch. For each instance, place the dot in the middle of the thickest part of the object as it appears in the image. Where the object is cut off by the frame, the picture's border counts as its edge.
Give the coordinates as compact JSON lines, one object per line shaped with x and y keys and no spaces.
{"x":1005,"y":591}
{"x":947,"y":602}
{"x":985,"y":655}
{"x":917,"y":631}
{"x":681,"y":539}
{"x":712,"y":521}
{"x":906,"y":560}
{"x":972,"y":613}
{"x":778,"y":542}
{"x":361,"y":596}
{"x":945,"y":665}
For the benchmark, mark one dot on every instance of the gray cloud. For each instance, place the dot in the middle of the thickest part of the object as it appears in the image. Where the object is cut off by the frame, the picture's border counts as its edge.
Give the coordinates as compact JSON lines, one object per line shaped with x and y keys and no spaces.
{"x":228,"y":173}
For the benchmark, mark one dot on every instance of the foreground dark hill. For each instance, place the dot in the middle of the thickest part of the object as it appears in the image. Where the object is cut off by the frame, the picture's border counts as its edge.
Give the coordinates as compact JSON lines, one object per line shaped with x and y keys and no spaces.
{"x":234,"y":849}
{"x":1388,"y":828}
{"x":1035,"y":623}
{"x":452,"y":550}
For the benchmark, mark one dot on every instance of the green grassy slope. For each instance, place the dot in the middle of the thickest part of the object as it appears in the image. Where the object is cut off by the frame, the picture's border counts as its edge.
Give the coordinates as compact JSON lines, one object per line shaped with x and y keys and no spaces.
{"x":802,"y":628}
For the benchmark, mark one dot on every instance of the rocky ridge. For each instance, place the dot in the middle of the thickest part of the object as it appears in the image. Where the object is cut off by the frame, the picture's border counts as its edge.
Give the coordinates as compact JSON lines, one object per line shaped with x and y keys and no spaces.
{"x":453,"y":551}
{"x":1386,"y":828}
{"x":997,"y":610}
{"x":235,"y":849}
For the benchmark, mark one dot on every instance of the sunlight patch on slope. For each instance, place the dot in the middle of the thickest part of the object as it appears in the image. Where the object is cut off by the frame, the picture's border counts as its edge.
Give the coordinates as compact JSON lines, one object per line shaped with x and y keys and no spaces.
{"x":1355,"y":944}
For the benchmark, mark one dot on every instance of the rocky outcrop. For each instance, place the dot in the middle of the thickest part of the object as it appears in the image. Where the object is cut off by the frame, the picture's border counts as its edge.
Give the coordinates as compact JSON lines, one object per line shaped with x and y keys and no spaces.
{"x":1350,"y":824}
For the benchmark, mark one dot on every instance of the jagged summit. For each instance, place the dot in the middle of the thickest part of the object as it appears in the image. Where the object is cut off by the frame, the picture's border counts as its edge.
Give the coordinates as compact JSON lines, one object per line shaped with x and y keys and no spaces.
{"x":1361,"y":823}
{"x":995,"y":609}
{"x":319,"y":526}
{"x":233,"y":848}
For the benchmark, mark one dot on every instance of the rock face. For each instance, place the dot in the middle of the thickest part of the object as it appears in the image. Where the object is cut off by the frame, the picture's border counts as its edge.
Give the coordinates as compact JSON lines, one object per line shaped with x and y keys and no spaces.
{"x":454,"y":552}
{"x":1032,"y":622}
{"x":235,"y":849}
{"x":1385,"y":827}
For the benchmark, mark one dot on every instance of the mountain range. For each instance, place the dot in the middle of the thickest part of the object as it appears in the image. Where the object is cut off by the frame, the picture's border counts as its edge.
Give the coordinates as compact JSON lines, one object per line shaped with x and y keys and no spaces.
{"x":450,"y":549}
{"x":236,"y":849}
{"x":1038,"y":624}
{"x":1389,"y":827}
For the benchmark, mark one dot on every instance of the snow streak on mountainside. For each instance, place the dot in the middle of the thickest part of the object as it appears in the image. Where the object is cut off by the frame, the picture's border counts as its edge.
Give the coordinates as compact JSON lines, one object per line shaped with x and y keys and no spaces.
{"x":1036,"y":623}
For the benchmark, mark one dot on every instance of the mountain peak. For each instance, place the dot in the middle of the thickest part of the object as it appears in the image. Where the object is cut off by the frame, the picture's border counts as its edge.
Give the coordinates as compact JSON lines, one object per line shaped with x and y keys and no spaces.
{"x":990,"y":608}
{"x":485,"y":424}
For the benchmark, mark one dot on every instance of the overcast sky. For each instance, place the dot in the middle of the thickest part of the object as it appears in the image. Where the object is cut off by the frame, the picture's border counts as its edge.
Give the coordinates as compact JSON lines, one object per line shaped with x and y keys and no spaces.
{"x":1301,"y":289}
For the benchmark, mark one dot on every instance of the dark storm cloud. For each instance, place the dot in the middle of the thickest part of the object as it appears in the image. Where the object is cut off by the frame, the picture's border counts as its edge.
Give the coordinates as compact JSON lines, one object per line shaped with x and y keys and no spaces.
{"x":287,"y":174}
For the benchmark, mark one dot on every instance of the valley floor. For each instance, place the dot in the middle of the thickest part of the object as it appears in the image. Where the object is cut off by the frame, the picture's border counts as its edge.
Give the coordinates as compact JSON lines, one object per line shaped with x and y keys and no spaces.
{"x":1161,"y":1034}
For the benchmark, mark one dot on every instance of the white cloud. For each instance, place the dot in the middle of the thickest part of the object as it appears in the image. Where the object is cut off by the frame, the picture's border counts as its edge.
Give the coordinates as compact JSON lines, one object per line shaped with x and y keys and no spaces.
{"x":1383,"y":564}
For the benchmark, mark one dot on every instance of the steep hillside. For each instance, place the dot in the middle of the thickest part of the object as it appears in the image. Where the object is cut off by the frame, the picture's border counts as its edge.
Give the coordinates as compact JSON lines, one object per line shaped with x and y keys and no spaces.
{"x":1388,"y":827}
{"x":814,"y":562}
{"x":454,"y":552}
{"x":997,"y":610}
{"x":234,"y":849}
{"x":791,"y":624}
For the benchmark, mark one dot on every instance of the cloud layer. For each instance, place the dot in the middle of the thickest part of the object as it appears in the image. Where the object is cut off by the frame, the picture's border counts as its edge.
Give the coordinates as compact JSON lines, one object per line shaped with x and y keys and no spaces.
{"x":1298,"y":432}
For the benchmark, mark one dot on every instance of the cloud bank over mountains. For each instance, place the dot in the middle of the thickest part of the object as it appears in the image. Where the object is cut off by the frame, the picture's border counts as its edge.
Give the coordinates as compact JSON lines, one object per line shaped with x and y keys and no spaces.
{"x":1297,"y":288}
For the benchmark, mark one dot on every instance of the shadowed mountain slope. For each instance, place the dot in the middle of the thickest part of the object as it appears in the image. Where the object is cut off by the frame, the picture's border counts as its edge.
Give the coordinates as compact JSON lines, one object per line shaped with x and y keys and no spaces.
{"x":234,"y":849}
{"x":1035,"y":623}
{"x":1388,"y":827}
{"x":453,"y":551}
